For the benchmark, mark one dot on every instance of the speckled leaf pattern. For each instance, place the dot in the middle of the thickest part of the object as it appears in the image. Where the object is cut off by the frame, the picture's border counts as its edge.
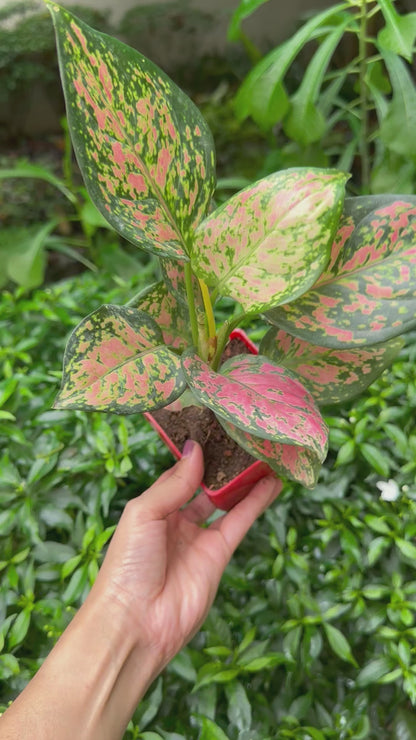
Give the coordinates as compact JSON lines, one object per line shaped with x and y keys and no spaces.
{"x":295,"y":463}
{"x":171,"y":316}
{"x":368,"y":294}
{"x":331,"y":375}
{"x":261,"y":400}
{"x":145,"y":152}
{"x":269,"y":243}
{"x":173,"y":275}
{"x":115,"y":360}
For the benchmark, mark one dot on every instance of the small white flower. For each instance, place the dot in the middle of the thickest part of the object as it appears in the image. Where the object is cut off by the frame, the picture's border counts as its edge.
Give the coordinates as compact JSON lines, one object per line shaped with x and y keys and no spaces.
{"x":389,"y":490}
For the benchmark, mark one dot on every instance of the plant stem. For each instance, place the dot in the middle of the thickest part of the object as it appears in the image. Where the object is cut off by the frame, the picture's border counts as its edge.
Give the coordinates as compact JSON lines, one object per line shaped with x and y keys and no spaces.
{"x":222,"y":337}
{"x":191,"y":304}
{"x":362,"y":57}
{"x":208,"y":309}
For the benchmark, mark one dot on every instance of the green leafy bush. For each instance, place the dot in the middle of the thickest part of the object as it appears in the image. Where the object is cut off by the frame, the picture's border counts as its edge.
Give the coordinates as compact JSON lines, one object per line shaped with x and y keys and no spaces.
{"x":313,"y":632}
{"x":354,"y":109}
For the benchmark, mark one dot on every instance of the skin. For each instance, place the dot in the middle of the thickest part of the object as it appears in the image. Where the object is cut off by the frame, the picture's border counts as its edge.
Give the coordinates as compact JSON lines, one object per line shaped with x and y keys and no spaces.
{"x":153,"y":592}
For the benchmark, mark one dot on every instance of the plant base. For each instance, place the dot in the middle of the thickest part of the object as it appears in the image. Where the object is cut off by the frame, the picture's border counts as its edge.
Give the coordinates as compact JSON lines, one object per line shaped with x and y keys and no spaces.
{"x":230,"y":472}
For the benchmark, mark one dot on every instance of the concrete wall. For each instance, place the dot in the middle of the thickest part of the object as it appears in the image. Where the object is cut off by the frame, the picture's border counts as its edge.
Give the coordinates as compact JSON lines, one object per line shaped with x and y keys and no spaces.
{"x":272,"y":21}
{"x":181,"y":33}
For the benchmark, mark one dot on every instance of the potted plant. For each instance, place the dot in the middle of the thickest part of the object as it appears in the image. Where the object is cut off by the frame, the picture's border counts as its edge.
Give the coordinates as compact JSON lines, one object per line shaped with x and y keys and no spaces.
{"x":333,"y":279}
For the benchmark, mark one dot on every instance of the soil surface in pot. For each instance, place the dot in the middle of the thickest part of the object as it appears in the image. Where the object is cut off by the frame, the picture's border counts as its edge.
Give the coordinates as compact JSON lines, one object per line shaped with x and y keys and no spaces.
{"x":224,"y":459}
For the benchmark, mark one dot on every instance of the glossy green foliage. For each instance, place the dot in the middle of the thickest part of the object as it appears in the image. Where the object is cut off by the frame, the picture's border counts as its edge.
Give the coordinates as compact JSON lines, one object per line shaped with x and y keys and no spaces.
{"x":145,"y":151}
{"x":355,"y":104}
{"x":323,"y":581}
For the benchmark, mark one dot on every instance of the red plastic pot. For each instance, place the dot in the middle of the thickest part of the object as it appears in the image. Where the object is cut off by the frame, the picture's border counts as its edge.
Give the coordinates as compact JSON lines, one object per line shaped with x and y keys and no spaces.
{"x":227,"y":496}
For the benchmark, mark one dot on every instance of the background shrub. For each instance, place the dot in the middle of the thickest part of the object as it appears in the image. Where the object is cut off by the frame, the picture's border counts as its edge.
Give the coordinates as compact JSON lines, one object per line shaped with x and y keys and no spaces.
{"x":312,"y":633}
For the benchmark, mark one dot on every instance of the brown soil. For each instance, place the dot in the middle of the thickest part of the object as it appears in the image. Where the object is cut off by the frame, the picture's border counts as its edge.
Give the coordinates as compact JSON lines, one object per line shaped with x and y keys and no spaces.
{"x":224,"y":459}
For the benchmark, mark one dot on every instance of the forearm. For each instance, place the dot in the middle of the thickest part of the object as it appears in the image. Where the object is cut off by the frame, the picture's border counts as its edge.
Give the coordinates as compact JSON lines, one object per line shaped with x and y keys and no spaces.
{"x":89,"y":685}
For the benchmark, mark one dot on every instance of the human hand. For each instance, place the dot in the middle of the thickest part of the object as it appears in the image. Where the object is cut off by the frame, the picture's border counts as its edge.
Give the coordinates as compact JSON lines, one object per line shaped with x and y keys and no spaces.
{"x":153,"y":591}
{"x":162,"y":567}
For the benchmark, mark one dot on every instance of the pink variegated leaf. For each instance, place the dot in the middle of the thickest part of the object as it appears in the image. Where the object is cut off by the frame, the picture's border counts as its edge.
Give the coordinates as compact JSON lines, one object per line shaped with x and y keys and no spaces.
{"x":115,"y":360}
{"x":289,"y":461}
{"x":263,"y":401}
{"x":269,"y":243}
{"x":171,"y":316}
{"x":331,"y":375}
{"x":367,"y":295}
{"x":145,"y":151}
{"x":173,"y":274}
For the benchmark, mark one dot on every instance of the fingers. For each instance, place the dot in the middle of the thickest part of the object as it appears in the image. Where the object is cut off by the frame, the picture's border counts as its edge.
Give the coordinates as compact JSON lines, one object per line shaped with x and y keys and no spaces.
{"x":199,"y":509}
{"x":175,"y":487}
{"x":236,"y":523}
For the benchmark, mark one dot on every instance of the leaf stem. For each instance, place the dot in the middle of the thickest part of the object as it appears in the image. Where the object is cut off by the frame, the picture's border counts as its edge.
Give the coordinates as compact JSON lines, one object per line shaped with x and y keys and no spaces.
{"x":191,"y":304}
{"x":363,"y":139}
{"x":208,"y":309}
{"x":223,"y":335}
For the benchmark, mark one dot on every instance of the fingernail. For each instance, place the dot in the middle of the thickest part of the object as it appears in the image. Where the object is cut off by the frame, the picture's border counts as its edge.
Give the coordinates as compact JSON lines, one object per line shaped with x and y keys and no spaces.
{"x":188,"y":448}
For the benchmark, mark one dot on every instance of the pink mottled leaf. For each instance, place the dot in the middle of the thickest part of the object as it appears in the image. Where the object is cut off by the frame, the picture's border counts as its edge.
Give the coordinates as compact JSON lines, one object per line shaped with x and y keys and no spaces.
{"x":289,"y":461}
{"x":115,"y":360}
{"x":367,"y":295}
{"x":265,"y":408}
{"x":270,"y":242}
{"x":173,"y":274}
{"x":171,"y":316}
{"x":331,"y":375}
{"x":145,"y":152}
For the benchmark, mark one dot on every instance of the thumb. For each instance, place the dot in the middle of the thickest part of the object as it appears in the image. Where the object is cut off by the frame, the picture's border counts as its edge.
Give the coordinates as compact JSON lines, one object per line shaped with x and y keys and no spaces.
{"x":175,"y":487}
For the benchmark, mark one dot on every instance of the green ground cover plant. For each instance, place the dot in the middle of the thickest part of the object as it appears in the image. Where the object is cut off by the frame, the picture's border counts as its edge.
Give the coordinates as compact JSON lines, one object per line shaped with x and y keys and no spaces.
{"x":313,"y":631}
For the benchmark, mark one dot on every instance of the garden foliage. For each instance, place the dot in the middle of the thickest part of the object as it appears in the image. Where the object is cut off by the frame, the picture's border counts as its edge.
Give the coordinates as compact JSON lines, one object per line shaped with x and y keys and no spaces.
{"x":313,"y":631}
{"x":342,"y":92}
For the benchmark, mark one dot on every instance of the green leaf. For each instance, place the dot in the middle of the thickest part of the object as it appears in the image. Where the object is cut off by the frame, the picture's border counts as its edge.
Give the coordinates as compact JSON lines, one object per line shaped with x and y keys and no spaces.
{"x":244,"y":10}
{"x":367,"y":294}
{"x":265,"y":409}
{"x":339,"y":643}
{"x":305,"y":122}
{"x":407,"y":549}
{"x":376,"y":458}
{"x":399,"y":33}
{"x":22,"y":253}
{"x":116,"y":360}
{"x":215,"y":673}
{"x":211,"y":731}
{"x":376,"y":549}
{"x":332,"y":376}
{"x":30,"y":170}
{"x":270,"y":242}
{"x":373,"y":671}
{"x":19,"y":628}
{"x":398,"y":125}
{"x":145,"y":152}
{"x":404,"y":725}
{"x":239,"y":708}
{"x":262,"y":94}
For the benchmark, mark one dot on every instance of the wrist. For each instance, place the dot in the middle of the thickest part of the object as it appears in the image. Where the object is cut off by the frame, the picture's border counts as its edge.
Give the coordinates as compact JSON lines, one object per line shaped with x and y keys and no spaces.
{"x":91,"y":682}
{"x":118,"y":668}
